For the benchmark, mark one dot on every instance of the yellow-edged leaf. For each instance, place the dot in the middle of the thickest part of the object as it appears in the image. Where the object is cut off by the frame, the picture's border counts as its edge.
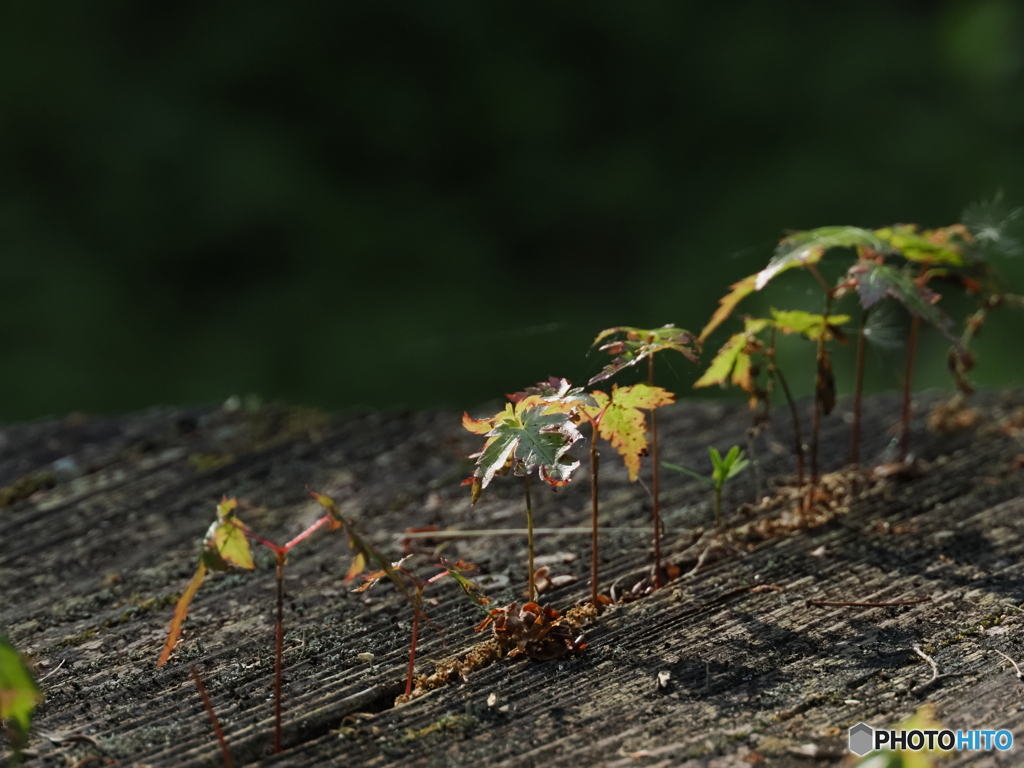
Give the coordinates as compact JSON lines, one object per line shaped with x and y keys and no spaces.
{"x":726,"y":304}
{"x":622,"y":421}
{"x":724,"y":362}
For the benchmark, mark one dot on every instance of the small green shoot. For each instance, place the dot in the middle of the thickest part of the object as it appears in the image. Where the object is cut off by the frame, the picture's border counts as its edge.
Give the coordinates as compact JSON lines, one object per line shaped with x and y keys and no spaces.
{"x":632,"y":346}
{"x":723,"y":469}
{"x":19,"y":696}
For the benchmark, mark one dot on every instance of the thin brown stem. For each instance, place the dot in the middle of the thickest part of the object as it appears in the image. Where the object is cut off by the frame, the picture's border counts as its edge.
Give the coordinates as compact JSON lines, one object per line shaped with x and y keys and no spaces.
{"x":415,"y":636}
{"x":858,"y":389}
{"x":224,"y":752}
{"x":798,"y":440}
{"x":915,"y":327}
{"x":279,"y":649}
{"x":654,"y":480}
{"x":532,"y":589}
{"x":593,"y":516}
{"x":820,"y":362}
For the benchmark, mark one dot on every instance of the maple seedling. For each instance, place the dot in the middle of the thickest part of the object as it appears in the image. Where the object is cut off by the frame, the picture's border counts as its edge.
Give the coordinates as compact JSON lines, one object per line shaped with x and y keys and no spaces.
{"x":19,"y":696}
{"x":872,"y":278}
{"x":458,"y":571}
{"x":226,"y":546}
{"x":723,"y":469}
{"x":739,"y":361}
{"x":619,"y":418}
{"x":534,"y":431}
{"x":631,"y":346}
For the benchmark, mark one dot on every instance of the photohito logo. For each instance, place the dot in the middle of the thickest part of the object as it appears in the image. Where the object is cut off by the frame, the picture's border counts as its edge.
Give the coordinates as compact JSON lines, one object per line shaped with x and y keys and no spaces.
{"x":863,"y":739}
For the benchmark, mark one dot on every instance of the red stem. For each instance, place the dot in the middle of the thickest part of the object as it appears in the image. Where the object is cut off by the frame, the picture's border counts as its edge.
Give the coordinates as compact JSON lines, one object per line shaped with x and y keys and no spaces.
{"x":593,"y":507}
{"x":415,"y":636}
{"x":798,"y":440}
{"x":857,"y":392}
{"x":309,"y":531}
{"x":224,"y":752}
{"x":915,"y":326}
{"x":279,"y":651}
{"x":654,"y":480}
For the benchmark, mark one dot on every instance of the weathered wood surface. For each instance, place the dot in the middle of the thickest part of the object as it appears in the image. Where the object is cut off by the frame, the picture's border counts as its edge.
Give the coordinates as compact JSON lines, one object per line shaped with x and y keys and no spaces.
{"x":93,"y":556}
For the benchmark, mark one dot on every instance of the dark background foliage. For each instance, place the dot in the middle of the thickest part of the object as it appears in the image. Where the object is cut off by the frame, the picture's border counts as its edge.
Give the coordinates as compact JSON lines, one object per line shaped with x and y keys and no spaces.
{"x":436,"y":203}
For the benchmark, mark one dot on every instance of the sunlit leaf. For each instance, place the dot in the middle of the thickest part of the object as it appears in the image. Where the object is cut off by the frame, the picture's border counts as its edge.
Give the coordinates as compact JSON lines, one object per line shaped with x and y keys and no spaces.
{"x":180,"y":611}
{"x":807,"y":247}
{"x":621,"y":420}
{"x":806,"y":324}
{"x":225,"y":543}
{"x":725,"y":362}
{"x":18,"y":692}
{"x":357,"y":567}
{"x":937,"y":246}
{"x":637,"y":344}
{"x":534,"y":433}
{"x":726,"y":304}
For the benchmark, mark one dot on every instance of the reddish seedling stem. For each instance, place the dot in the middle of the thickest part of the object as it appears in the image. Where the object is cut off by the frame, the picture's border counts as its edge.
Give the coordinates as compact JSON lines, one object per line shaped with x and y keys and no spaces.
{"x":654,"y":481}
{"x":858,"y":389}
{"x":281,"y":553}
{"x":415,"y":636}
{"x":224,"y":752}
{"x":816,"y":427}
{"x":915,"y":328}
{"x":798,"y":440}
{"x":279,"y":647}
{"x":532,"y":588}
{"x":594,"y":458}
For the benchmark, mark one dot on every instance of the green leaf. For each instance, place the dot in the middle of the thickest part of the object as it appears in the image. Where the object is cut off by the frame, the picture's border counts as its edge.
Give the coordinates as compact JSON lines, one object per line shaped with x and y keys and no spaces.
{"x":727,"y":468}
{"x":874,"y":281}
{"x":639,"y":343}
{"x":806,"y":324}
{"x":723,"y":364}
{"x":726,"y":304}
{"x":534,"y":433}
{"x":716,"y":461}
{"x":807,"y":247}
{"x":936,"y":246}
{"x":225,"y":543}
{"x":621,"y":421}
{"x":686,"y":471}
{"x":18,"y":693}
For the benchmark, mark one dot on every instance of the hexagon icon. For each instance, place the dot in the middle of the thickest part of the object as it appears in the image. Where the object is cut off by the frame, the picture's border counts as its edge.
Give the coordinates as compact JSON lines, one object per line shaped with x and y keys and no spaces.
{"x":862,"y":739}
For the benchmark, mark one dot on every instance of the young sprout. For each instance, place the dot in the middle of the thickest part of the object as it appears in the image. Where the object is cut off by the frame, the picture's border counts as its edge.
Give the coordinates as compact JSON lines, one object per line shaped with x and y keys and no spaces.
{"x":534,"y":431}
{"x":723,"y":470}
{"x":632,"y":346}
{"x":459,"y":571}
{"x":226,"y":545}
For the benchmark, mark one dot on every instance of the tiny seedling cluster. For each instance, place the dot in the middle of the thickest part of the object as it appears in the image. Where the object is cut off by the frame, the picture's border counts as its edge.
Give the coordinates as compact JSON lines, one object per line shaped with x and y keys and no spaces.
{"x":534,"y":432}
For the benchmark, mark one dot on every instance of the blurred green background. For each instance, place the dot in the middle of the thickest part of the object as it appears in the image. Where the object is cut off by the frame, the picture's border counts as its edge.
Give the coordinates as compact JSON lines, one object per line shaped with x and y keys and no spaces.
{"x":339,"y":203}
